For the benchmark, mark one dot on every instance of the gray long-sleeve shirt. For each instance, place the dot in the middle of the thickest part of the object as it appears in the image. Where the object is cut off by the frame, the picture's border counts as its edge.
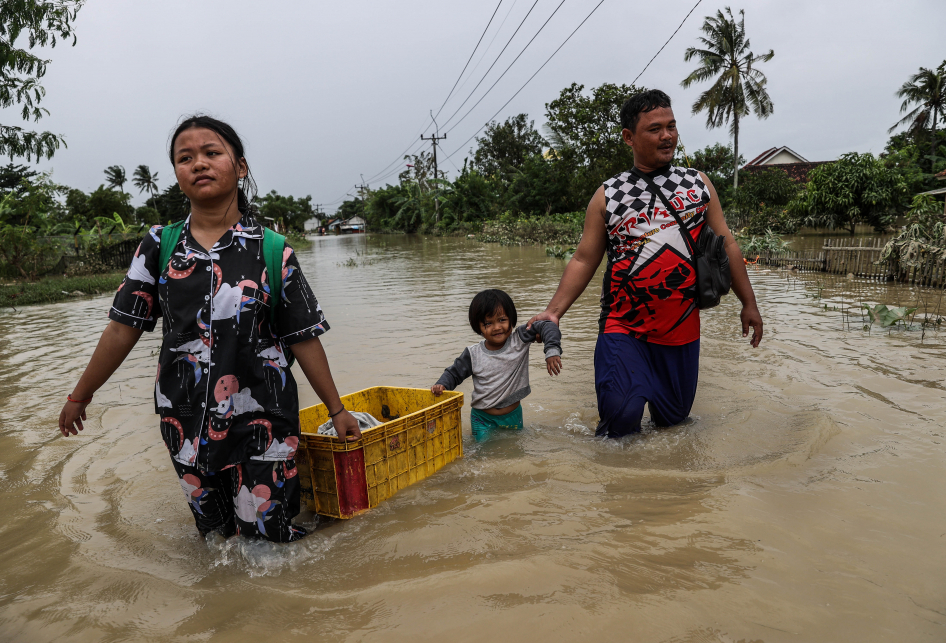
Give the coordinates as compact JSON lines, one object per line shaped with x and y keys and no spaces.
{"x":501,"y":377}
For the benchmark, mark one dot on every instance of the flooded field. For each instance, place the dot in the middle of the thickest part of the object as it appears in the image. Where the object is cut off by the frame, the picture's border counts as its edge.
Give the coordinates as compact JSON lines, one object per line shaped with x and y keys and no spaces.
{"x":804,"y":500}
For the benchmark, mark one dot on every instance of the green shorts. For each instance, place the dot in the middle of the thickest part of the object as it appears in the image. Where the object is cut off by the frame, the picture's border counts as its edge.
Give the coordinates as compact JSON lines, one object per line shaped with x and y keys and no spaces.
{"x":483,"y":423}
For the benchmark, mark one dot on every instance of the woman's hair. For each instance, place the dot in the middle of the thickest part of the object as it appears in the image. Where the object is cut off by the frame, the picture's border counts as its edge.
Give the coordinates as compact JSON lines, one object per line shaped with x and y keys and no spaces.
{"x":245,"y":192}
{"x":487,"y":303}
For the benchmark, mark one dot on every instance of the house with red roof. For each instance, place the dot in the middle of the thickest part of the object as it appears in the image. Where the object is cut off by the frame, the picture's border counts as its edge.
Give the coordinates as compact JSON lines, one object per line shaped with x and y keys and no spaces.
{"x":784,"y":158}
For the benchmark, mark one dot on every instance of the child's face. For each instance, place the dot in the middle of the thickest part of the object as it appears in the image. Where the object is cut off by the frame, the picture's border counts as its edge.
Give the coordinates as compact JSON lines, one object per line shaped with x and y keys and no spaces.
{"x":496,"y":329}
{"x":204,"y":165}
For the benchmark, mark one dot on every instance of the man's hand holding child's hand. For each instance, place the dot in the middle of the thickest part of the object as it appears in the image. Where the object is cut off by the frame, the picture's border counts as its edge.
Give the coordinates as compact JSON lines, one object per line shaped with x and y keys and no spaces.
{"x":554,"y":364}
{"x":437,"y":389}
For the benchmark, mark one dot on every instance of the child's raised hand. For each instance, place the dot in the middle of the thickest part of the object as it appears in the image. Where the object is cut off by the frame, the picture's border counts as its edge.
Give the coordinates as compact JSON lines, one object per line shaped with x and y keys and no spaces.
{"x":554,"y":364}
{"x":437,"y":389}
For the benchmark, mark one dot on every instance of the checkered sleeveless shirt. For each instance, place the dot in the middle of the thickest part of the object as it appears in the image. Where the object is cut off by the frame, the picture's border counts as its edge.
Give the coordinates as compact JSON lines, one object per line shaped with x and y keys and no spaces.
{"x":649,"y":285}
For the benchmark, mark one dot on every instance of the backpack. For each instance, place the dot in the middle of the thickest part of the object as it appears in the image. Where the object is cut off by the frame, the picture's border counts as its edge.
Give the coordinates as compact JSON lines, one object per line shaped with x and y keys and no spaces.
{"x":273,"y":245}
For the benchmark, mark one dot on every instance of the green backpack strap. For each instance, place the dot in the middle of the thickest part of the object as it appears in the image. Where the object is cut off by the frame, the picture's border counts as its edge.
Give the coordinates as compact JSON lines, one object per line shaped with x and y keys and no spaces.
{"x":273,"y":246}
{"x":170,"y":234}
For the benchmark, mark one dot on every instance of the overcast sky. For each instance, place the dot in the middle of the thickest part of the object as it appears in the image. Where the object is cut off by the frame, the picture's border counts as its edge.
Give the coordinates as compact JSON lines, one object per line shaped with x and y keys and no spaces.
{"x":324,"y":92}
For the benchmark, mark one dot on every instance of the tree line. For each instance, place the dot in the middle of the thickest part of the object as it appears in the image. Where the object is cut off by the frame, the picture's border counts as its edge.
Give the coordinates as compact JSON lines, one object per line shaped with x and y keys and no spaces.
{"x":516,"y":172}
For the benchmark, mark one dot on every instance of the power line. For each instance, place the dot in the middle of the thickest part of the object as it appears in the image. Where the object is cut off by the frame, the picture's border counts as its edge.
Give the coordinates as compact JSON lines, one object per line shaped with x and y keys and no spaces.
{"x":668,"y":41}
{"x":528,"y":81}
{"x":401,"y":156}
{"x":489,"y":46}
{"x":470,"y":58}
{"x":508,"y":42}
{"x":509,"y":67}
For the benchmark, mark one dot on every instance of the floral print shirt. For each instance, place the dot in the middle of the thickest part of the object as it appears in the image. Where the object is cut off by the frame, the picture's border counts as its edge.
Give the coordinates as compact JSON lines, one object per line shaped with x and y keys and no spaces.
{"x":223,"y":389}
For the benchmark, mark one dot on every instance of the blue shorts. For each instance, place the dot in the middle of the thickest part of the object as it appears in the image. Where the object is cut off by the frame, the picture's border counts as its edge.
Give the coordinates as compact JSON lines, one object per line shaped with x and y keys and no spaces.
{"x":630,"y":372}
{"x":483,"y":423}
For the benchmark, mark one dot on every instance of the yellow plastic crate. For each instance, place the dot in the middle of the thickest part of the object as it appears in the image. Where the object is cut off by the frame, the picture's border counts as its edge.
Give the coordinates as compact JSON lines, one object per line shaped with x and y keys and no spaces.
{"x":419,"y":435}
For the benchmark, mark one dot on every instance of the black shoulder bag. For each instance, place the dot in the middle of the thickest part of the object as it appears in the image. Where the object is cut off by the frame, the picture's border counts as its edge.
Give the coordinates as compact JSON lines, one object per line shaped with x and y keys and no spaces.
{"x":708,"y":256}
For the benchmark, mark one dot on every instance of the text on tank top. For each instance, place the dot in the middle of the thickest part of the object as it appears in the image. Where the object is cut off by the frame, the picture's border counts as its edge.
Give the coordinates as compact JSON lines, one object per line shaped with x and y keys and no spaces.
{"x":649,"y":285}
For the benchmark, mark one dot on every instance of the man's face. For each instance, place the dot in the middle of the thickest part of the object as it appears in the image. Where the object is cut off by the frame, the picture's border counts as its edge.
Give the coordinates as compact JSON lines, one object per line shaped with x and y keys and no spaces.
{"x":654,"y":140}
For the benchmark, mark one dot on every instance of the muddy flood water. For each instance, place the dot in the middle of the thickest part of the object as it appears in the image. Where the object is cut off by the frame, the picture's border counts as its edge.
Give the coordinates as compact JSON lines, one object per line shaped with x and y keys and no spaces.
{"x":803,"y":501}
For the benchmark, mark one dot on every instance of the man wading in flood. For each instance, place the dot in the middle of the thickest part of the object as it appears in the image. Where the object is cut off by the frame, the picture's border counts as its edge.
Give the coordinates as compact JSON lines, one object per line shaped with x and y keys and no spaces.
{"x":648,"y":349}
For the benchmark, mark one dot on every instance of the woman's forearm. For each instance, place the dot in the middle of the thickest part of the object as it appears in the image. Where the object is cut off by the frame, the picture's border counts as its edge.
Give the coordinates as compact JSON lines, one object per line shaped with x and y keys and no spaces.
{"x":116,"y":342}
{"x":314,"y":363}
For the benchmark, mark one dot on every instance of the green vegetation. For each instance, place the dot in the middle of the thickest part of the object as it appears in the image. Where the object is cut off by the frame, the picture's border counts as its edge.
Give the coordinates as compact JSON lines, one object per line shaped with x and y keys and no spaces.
{"x":40,"y":220}
{"x":520,"y":186}
{"x":40,"y":24}
{"x":925,"y":89}
{"x":56,"y":289}
{"x":857,"y":188}
{"x":924,"y":237}
{"x":738,"y":85}
{"x":554,"y":230}
{"x":763,"y":199}
{"x":515,"y":177}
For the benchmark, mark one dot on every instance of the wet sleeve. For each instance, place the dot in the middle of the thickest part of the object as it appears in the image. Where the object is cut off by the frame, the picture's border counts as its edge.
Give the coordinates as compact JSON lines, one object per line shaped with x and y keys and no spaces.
{"x":461,"y":369}
{"x":299,"y":316}
{"x":136,"y":302}
{"x":548,"y":331}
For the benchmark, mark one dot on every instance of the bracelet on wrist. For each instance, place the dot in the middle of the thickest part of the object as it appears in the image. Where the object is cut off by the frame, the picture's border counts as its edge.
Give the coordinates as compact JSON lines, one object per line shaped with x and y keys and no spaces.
{"x":331,"y":415}
{"x":72,"y":399}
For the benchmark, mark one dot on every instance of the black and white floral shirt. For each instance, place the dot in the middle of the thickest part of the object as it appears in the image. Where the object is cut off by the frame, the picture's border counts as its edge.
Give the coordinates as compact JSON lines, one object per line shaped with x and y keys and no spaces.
{"x":223,"y":389}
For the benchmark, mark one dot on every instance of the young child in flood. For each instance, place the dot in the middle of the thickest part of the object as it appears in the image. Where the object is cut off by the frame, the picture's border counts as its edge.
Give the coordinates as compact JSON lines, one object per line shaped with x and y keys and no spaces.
{"x":500,"y":363}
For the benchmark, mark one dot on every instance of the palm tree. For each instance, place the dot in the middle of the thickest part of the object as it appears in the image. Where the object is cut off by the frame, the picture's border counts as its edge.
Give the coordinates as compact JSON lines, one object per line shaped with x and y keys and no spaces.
{"x":926,"y":88}
{"x":739,"y":87}
{"x":143,"y":179}
{"x":115,"y":175}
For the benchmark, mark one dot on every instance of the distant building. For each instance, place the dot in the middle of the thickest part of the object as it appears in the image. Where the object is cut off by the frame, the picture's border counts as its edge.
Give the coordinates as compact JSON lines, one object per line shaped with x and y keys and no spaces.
{"x":313,"y":224}
{"x":794,"y":164}
{"x":353,"y":226}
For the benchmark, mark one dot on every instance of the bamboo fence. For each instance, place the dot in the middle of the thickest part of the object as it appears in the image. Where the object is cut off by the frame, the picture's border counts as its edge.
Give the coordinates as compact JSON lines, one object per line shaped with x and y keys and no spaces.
{"x":859,"y":259}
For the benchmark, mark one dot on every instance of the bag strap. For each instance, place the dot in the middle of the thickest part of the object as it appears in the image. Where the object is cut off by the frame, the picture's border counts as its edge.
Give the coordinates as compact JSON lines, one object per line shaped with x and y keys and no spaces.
{"x":170,"y":235}
{"x":684,"y":232}
{"x":273,"y":246}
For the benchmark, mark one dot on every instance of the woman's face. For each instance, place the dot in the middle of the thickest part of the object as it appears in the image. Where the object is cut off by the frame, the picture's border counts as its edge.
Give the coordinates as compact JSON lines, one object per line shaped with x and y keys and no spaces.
{"x":205,"y":166}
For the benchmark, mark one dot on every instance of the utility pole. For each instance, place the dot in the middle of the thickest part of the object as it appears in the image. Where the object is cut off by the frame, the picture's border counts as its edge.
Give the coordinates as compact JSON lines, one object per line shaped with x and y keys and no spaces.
{"x":434,"y":139}
{"x":363,"y":191}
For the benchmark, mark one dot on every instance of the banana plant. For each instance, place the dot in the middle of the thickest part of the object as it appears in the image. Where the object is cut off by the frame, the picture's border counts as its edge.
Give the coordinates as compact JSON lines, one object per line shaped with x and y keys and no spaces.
{"x":885,"y":316}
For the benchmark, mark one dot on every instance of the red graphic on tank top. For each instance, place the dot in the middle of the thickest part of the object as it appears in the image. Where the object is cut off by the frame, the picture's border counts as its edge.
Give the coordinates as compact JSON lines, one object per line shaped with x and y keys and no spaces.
{"x":649,"y":286}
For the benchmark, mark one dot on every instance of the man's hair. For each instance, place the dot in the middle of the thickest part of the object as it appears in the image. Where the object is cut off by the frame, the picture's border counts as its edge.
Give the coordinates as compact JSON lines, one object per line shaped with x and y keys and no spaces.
{"x":486,"y":303}
{"x":638,"y":104}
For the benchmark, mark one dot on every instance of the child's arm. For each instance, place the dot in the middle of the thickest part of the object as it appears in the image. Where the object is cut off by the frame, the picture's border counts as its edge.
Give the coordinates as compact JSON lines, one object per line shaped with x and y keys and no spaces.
{"x":551,"y":337}
{"x":461,"y":369}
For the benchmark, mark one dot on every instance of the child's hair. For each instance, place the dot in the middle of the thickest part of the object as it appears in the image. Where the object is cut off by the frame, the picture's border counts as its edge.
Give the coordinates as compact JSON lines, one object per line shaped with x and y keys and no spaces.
{"x":246,"y":191}
{"x":487,"y":303}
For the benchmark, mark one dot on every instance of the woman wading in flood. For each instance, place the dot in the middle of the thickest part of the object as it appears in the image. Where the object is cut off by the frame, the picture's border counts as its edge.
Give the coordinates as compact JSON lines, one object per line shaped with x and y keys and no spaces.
{"x":227,"y":399}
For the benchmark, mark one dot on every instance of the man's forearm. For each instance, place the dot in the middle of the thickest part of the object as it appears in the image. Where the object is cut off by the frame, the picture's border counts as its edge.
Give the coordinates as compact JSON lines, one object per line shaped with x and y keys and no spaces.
{"x":740,"y":276}
{"x":574,"y":281}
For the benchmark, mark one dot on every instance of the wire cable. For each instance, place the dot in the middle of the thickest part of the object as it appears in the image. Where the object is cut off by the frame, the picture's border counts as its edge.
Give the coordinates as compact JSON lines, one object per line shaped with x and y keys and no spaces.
{"x":508,"y":42}
{"x":508,"y":68}
{"x":530,"y":79}
{"x":401,"y":155}
{"x":470,"y":58}
{"x":668,"y":41}
{"x":488,"y":47}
